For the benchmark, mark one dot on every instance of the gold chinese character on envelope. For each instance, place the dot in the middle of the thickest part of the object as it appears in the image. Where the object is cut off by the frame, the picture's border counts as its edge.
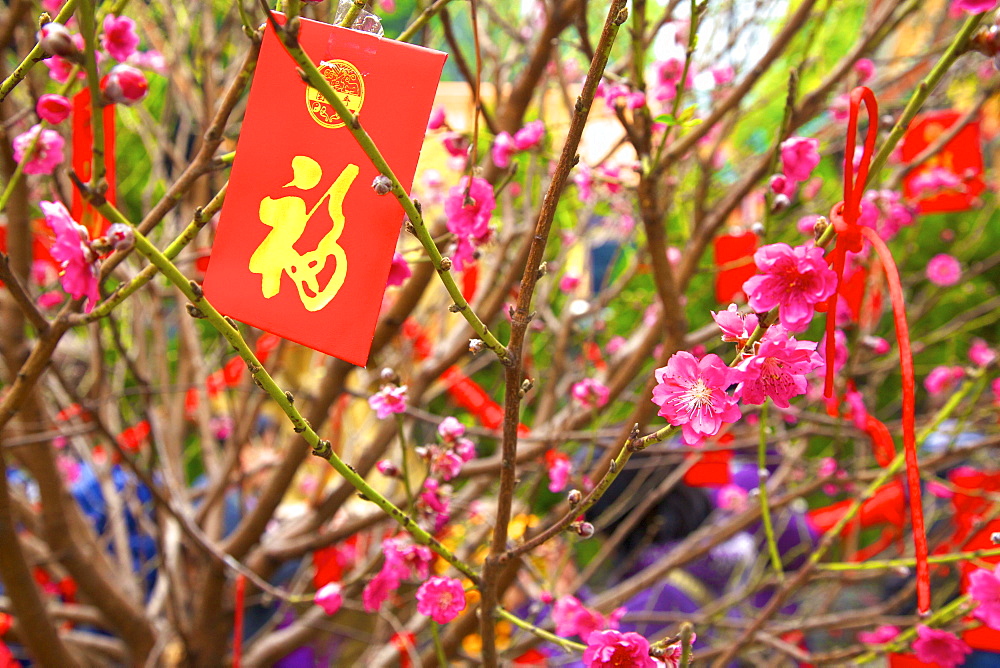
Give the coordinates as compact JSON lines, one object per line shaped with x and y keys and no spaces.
{"x":287,"y":217}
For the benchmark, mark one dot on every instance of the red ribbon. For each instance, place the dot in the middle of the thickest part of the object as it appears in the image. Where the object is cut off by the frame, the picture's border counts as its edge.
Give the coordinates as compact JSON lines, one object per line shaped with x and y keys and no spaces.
{"x":241,"y":589}
{"x":850,"y":236}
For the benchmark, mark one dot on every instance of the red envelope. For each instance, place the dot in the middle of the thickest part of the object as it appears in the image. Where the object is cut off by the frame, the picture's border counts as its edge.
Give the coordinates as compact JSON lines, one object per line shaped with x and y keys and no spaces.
{"x":304,"y":244}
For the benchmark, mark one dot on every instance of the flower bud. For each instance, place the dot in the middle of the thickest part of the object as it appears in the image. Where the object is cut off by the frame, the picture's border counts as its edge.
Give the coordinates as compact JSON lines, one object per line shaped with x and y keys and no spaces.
{"x":446,"y":264}
{"x":583,"y":529}
{"x":382,"y":185}
{"x":476,"y":346}
{"x":53,"y":108}
{"x":781,"y":203}
{"x":387,"y":468}
{"x":389,"y":376}
{"x":125,"y":85}
{"x":120,"y":236}
{"x":574,"y":497}
{"x":56,"y":40}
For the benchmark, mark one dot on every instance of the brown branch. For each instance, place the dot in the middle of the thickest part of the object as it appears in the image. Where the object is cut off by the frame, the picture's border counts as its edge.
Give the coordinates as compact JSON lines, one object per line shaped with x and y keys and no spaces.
{"x":521,"y":317}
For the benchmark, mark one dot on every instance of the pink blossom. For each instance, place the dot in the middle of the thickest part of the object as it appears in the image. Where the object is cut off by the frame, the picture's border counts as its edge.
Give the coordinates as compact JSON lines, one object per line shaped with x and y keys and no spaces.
{"x":732,"y":498}
{"x":615,"y":344}
{"x":635,"y":100}
{"x":47,"y":300}
{"x":984,"y":588}
{"x":971,"y":6}
{"x":723,"y":74}
{"x":529,"y":135}
{"x":435,"y":503}
{"x":120,"y":38}
{"x":125,"y":85}
{"x":329,"y":598}
{"x":878,"y":345}
{"x":441,"y":599}
{"x":736,"y":327}
{"x":799,"y":157}
{"x":981,"y":354}
{"x":437,"y":119}
{"x":795,"y":279}
{"x":782,"y":185}
{"x":469,"y":219}
{"x":611,"y":648}
{"x":692,"y":394}
{"x":404,"y":557}
{"x":590,"y":393}
{"x":995,"y":387}
{"x":943,"y":378}
{"x":456,"y":144}
{"x":879,"y":636}
{"x":444,"y":462}
{"x":149,"y":60}
{"x":465,"y":449}
{"x":943,"y":270}
{"x":934,"y":488}
{"x":569,"y":282}
{"x":865,"y":69}
{"x":451,"y":429}
{"x":53,"y":108}
{"x":559,"y":467}
{"x":612,"y":93}
{"x":47,"y":153}
{"x":584,"y":180}
{"x":931,"y":181}
{"x":390,"y":399}
{"x":573,"y":618}
{"x":503,"y":150}
{"x":378,"y":589}
{"x":777,"y":369}
{"x":399,"y":270}
{"x":859,"y":412}
{"x":939,"y":648}
{"x":72,"y":251}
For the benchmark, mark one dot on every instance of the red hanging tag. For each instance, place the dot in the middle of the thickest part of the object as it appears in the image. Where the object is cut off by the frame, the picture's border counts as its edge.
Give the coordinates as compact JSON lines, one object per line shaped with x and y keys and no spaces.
{"x":734,"y":261}
{"x":304,"y":242}
{"x":952,"y":178}
{"x":83,"y":146}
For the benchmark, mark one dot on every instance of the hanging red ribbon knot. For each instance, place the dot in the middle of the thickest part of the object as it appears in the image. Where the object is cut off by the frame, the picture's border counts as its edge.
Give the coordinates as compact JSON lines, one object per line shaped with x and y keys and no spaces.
{"x":850,"y":237}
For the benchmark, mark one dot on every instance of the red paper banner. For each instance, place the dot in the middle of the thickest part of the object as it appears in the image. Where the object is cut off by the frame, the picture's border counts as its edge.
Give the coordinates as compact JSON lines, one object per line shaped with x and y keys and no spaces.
{"x":304,"y":244}
{"x":83,"y":146}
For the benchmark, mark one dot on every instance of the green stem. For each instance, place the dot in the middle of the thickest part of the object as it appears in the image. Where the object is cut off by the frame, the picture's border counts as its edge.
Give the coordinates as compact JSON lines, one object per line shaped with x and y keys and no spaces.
{"x":88,"y":27}
{"x":201,"y":217}
{"x":765,"y":509}
{"x":406,"y":464}
{"x":35,"y":55}
{"x":353,"y":125}
{"x":421,"y":20}
{"x":567,"y":645}
{"x":321,"y":448}
{"x":352,"y":13}
{"x":905,"y":563}
{"x":438,"y":647}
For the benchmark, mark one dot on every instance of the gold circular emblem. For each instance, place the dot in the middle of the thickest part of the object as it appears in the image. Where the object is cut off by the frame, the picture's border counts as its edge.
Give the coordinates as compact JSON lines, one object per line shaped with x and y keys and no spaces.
{"x":346,"y":80}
